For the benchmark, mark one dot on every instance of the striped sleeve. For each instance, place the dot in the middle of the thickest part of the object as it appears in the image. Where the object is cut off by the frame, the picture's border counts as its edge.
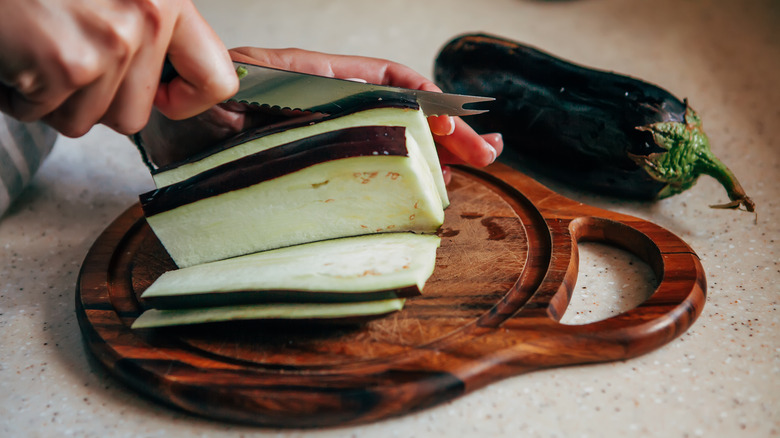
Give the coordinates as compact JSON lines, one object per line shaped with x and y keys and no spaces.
{"x":23,"y":146}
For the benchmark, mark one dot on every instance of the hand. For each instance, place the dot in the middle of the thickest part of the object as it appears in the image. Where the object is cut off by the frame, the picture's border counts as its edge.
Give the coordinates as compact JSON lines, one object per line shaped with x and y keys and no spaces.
{"x":76,"y":63}
{"x":458,"y":141}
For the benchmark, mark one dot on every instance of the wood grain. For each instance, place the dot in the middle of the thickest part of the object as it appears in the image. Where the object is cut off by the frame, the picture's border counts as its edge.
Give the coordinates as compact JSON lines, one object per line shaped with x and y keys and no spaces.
{"x":504,"y":276}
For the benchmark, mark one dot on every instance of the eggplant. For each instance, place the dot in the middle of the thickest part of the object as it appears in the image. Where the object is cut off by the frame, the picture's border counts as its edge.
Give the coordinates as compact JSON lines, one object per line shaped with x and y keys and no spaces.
{"x":349,"y":269}
{"x":303,"y":314}
{"x":346,"y":182}
{"x":599,"y":130}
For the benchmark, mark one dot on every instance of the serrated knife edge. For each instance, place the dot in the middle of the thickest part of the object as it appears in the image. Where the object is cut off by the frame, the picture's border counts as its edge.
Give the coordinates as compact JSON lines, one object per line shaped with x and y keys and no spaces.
{"x":284,"y":89}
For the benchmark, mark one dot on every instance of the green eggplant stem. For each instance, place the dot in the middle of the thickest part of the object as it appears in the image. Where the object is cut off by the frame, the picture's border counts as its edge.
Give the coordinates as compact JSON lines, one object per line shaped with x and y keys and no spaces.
{"x":716,"y":169}
{"x":687,"y":156}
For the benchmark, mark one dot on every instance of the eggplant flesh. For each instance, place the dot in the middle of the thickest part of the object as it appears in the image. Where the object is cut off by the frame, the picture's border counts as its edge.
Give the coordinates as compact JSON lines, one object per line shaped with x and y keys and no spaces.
{"x":349,"y":269}
{"x":598,"y":130}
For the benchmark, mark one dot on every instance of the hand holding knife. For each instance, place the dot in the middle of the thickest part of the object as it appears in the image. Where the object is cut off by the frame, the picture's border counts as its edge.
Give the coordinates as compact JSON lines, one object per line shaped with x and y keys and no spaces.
{"x":283,"y":89}
{"x":167,"y":140}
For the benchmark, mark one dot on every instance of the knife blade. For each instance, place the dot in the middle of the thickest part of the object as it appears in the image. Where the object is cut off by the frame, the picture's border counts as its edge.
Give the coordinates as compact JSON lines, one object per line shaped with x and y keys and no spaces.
{"x":284,"y":89}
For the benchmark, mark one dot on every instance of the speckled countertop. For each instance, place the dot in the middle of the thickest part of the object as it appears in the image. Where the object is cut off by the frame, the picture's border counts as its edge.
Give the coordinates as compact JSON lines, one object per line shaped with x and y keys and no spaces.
{"x":720,"y":379}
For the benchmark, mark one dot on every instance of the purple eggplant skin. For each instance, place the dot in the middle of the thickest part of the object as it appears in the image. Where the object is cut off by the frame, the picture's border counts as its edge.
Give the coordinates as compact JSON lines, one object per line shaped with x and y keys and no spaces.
{"x":598,"y":130}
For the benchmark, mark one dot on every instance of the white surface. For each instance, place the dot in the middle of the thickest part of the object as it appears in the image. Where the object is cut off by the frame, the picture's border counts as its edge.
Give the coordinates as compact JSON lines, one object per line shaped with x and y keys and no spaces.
{"x":720,"y":379}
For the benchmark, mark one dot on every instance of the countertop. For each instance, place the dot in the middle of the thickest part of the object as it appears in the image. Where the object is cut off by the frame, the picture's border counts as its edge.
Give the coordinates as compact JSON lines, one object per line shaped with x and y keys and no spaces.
{"x":719,"y":379}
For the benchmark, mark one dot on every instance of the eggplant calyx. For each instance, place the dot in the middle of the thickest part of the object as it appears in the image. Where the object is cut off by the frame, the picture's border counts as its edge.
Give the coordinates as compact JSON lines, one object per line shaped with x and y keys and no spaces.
{"x":687,"y":156}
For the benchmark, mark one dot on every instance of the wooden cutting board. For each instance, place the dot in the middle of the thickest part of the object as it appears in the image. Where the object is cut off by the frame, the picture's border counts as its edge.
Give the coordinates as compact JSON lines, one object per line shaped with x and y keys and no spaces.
{"x":504,"y":276}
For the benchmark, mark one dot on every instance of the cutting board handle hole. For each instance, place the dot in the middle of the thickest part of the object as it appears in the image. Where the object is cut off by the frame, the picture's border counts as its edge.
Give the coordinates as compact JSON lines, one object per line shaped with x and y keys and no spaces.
{"x":610,"y":281}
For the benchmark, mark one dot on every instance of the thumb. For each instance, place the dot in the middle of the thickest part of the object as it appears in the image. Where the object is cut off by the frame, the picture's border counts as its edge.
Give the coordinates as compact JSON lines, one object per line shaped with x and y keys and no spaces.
{"x":205,"y":72}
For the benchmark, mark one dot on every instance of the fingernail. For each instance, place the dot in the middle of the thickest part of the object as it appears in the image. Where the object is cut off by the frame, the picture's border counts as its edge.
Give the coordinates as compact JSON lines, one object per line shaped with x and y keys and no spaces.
{"x":452,"y":124}
{"x":496,"y":138}
{"x":492,"y":151}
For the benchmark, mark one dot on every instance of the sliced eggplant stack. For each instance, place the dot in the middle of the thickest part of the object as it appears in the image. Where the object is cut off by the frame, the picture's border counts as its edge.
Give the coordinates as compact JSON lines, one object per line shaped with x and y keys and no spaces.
{"x":372,"y":267}
{"x":364,"y":276}
{"x":330,"y":220}
{"x":349,"y":182}
{"x":385,"y":113}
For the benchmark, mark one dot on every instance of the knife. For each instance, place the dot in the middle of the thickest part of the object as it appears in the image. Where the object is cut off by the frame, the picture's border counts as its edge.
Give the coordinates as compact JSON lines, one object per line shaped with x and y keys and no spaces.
{"x":282,"y":89}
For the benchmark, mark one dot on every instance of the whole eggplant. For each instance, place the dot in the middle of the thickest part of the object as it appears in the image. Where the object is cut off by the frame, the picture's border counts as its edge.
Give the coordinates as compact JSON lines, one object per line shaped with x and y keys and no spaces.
{"x":596,"y":129}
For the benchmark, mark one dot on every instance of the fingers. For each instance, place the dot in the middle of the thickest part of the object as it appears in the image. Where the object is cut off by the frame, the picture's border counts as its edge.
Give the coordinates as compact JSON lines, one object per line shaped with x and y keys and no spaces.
{"x":372,"y":70}
{"x":458,"y":142}
{"x":441,"y":125}
{"x":84,"y":108}
{"x":446,"y":174}
{"x":260,"y":56}
{"x":131,"y":103}
{"x":74,"y":64}
{"x":34,"y":93}
{"x":496,"y":140}
{"x":44,"y":61}
{"x":32,"y":96}
{"x":129,"y":41}
{"x":89,"y":103}
{"x":206,"y":74}
{"x":464,"y":145}
{"x":446,"y":156}
{"x":399,"y":75}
